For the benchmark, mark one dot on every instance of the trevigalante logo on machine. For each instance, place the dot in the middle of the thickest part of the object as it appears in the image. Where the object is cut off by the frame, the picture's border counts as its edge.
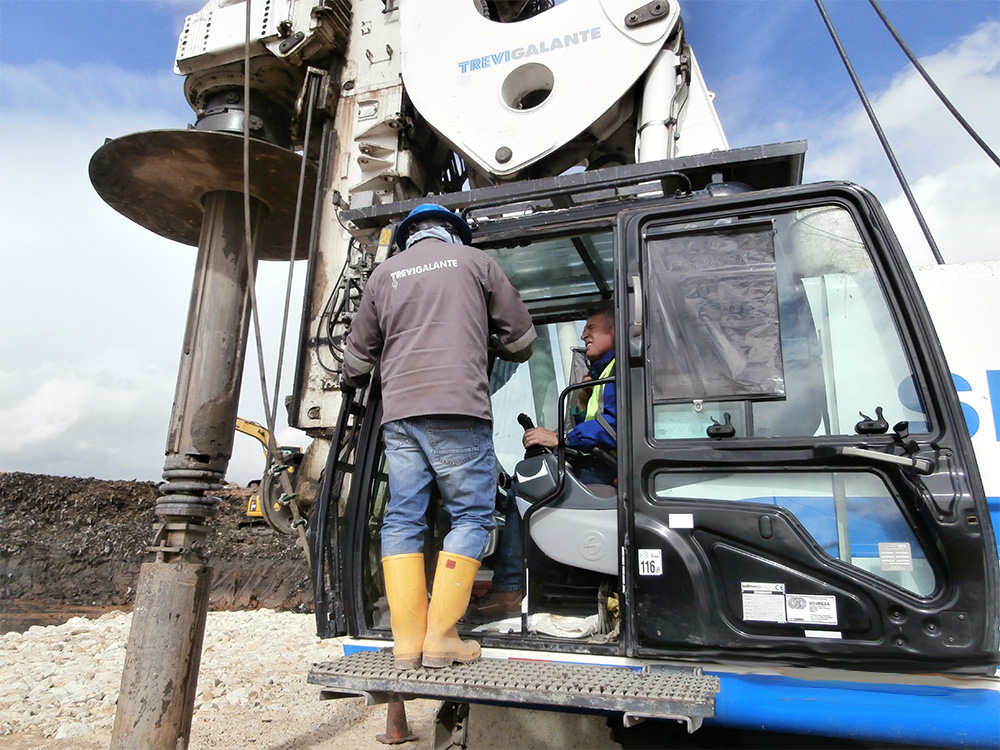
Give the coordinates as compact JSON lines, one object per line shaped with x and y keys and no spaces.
{"x":519,"y":53}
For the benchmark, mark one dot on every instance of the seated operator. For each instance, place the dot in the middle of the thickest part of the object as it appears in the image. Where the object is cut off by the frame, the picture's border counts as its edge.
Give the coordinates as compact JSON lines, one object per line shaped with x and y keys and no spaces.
{"x":596,"y":427}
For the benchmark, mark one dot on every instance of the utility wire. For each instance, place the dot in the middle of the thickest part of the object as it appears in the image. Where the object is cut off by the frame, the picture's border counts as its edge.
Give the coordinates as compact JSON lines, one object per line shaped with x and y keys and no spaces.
{"x":881,"y":134}
{"x":251,"y":250}
{"x":298,"y":523}
{"x":934,"y":87}
{"x":309,"y":102}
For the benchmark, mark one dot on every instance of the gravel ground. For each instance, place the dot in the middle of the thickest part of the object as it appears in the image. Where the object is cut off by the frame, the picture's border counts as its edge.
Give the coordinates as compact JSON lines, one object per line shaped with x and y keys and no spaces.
{"x":59,"y":685}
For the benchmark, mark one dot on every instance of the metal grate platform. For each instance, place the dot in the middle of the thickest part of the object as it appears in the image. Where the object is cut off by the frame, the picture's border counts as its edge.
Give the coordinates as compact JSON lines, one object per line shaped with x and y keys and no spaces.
{"x":664,"y":694}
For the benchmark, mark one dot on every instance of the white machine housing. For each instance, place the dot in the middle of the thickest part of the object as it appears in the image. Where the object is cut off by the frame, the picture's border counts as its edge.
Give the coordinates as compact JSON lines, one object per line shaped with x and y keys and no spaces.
{"x":506,"y":95}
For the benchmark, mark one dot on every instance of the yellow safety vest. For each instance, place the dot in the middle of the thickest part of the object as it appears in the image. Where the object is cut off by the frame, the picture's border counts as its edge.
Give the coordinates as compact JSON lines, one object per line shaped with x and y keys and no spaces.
{"x":595,"y":406}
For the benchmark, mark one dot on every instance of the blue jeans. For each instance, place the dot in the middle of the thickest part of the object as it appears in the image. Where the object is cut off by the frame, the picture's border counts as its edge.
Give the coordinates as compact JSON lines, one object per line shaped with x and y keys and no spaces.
{"x":456,"y":454}
{"x":508,"y":567}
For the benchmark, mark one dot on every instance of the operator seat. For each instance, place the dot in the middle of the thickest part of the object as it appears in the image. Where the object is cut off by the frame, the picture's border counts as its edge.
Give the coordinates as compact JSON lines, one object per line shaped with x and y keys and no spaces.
{"x":580,"y":526}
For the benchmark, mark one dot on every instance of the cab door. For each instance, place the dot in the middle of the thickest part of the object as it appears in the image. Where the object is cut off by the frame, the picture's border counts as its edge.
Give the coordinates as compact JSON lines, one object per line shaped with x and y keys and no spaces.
{"x":798,"y":479}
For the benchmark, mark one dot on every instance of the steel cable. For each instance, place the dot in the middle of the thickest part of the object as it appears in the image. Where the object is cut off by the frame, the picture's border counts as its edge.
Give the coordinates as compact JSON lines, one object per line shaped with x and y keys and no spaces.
{"x":310,"y":101}
{"x":881,"y":134}
{"x":269,"y":414}
{"x":934,"y":87}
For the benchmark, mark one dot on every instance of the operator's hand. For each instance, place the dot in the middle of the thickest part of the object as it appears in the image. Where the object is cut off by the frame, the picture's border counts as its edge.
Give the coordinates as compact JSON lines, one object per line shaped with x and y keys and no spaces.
{"x":539,"y":436}
{"x":583,"y":395}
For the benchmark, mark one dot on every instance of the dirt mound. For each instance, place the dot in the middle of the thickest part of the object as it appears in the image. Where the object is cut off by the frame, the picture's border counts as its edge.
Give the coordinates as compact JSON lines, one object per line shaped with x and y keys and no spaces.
{"x":70,"y":545}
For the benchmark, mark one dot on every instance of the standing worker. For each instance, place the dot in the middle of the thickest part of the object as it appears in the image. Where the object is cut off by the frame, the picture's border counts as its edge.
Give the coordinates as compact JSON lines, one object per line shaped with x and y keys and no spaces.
{"x":427,"y":315}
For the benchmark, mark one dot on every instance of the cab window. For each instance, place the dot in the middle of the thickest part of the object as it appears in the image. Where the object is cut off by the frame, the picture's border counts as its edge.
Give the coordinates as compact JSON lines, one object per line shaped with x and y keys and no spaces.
{"x":533,"y":387}
{"x":778,"y":322}
{"x":851,"y":516}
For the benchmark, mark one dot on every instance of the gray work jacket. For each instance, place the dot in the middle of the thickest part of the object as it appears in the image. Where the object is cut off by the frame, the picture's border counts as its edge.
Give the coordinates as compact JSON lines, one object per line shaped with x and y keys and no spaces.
{"x":427,"y":314}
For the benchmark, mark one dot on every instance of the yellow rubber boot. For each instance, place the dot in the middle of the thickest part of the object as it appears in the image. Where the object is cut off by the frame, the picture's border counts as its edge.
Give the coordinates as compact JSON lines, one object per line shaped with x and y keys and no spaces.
{"x":406,"y":590}
{"x":452,"y":590}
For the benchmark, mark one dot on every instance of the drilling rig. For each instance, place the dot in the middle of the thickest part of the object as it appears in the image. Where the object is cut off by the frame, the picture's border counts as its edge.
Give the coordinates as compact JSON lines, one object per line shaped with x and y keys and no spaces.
{"x":798,"y":506}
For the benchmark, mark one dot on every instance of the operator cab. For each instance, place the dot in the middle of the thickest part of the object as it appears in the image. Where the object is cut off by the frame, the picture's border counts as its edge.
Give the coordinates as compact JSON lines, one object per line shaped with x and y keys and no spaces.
{"x":795,"y":479}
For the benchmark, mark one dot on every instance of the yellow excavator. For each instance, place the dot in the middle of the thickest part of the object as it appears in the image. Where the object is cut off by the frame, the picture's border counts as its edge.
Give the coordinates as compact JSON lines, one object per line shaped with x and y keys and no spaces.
{"x":271,"y":502}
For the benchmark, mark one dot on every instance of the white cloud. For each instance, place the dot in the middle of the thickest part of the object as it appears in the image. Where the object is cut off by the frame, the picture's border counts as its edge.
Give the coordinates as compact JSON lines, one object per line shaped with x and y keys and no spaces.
{"x":961,"y":205}
{"x":46,"y":413}
{"x":71,"y":403}
{"x":955,"y":184}
{"x":91,"y":418}
{"x":917,"y":124}
{"x":93,"y":306}
{"x":92,"y":95}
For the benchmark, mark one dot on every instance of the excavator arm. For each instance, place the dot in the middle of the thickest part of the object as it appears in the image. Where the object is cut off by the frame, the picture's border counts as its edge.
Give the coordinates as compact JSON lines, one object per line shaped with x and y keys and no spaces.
{"x":270,"y":502}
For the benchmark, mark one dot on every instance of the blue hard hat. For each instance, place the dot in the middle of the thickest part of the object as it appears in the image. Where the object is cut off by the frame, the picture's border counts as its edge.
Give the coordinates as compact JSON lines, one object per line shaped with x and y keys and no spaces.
{"x":432,"y":211}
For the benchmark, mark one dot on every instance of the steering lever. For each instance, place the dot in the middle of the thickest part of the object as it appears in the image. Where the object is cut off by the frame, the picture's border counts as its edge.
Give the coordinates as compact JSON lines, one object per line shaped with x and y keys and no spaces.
{"x":526,"y":424}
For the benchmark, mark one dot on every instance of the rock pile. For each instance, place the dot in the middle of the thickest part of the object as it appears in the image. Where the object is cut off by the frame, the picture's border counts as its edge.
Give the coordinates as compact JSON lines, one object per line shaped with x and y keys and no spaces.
{"x":70,"y":544}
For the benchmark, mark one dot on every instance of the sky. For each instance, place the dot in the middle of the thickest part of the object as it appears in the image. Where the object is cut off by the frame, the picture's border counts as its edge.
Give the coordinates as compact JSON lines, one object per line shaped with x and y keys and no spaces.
{"x":92,"y":306}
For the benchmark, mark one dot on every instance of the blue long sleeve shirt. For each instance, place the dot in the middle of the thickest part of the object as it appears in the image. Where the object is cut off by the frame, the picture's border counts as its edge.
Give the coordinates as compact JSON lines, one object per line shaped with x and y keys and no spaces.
{"x":589,"y":433}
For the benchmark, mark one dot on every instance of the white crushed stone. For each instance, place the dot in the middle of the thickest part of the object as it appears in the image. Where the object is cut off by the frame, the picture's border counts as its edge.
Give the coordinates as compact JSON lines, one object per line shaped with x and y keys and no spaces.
{"x":61,"y":683}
